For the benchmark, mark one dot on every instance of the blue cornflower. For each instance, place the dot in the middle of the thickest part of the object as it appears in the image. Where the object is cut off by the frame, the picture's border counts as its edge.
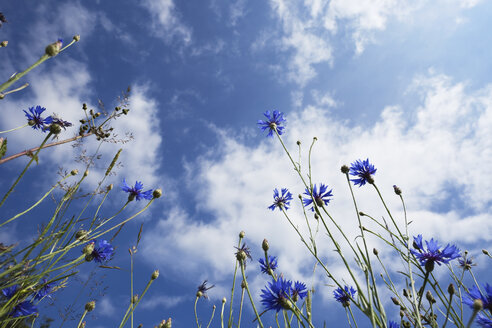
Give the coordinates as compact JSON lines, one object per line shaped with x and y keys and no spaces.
{"x":61,"y":123}
{"x":276,"y":295}
{"x":363,"y":170}
{"x":273,"y":123}
{"x":466,"y":262}
{"x":46,"y":290}
{"x":299,"y":290}
{"x":136,"y":192}
{"x":321,"y":198}
{"x":36,"y":121}
{"x":475,"y":294}
{"x":243,"y":253}
{"x":281,"y":201}
{"x":433,"y":254}
{"x":103,"y":251}
{"x":483,"y":321}
{"x":272,"y":264}
{"x":21,"y":309}
{"x":201,"y":292}
{"x":344,"y":295}
{"x":393,"y":324}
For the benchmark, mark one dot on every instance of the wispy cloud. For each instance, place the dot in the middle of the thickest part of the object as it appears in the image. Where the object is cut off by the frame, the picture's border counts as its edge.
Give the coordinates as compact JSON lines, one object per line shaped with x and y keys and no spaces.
{"x":166,"y":21}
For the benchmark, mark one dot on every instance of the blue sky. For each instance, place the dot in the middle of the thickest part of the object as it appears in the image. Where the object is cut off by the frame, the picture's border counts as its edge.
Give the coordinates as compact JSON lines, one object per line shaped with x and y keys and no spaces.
{"x":406,"y":84}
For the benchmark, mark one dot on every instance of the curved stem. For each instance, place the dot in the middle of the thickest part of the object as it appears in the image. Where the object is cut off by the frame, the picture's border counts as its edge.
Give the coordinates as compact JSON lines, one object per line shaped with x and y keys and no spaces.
{"x":17,"y":128}
{"x":249,"y":294}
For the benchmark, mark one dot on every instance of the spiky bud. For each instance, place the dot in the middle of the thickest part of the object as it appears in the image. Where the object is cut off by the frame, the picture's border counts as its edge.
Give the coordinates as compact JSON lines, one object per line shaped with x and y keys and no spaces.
{"x":74,"y":172}
{"x":265,"y":245}
{"x":55,"y":128}
{"x":241,"y":255}
{"x":451,"y":289}
{"x":397,"y":190}
{"x":345,"y":169}
{"x":89,"y":306}
{"x":76,"y":38}
{"x":54,"y":48}
{"x":154,"y":275}
{"x":157,"y":193}
{"x":168,"y":323}
{"x":88,"y":249}
{"x":81,"y":235}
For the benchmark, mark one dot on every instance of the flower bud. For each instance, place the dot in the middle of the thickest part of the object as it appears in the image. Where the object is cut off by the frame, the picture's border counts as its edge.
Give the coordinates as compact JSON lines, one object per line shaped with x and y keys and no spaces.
{"x":134,"y":299}
{"x":157,"y":193}
{"x":55,"y":128}
{"x":345,"y":169}
{"x":224,"y":300}
{"x":298,"y":142}
{"x":243,"y":284}
{"x":429,"y":297}
{"x":54,"y":48}
{"x":110,"y":187}
{"x":362,"y":214}
{"x":315,"y":138}
{"x":477,"y":305}
{"x":76,"y":38}
{"x":3,"y":44}
{"x":405,"y":292}
{"x":242,"y":234}
{"x":395,"y":301}
{"x":81,"y":235}
{"x":89,"y":306}
{"x":155,"y":275}
{"x":199,"y":294}
{"x":451,"y":289}
{"x":429,"y":266}
{"x":265,"y":245}
{"x":74,"y":172}
{"x":397,"y":190}
{"x":485,"y":252}
{"x":168,"y":323}
{"x":86,"y":173}
{"x":375,"y":251}
{"x":241,"y":255}
{"x":88,"y":249}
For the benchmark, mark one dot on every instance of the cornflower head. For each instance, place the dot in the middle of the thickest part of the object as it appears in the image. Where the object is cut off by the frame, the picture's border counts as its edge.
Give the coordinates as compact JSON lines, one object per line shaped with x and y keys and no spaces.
{"x":136,"y":191}
{"x":393,"y":324}
{"x":321,"y":198}
{"x":44,"y":291}
{"x":273,"y":123}
{"x":276,"y":295}
{"x":466,"y":263}
{"x":433,"y":254}
{"x":61,"y":123}
{"x":243,"y":253}
{"x":24,"y":308}
{"x":102,"y":252}
{"x":35,"y":120}
{"x":299,"y":290}
{"x":272,"y":264}
{"x":281,"y":201}
{"x":344,"y":295}
{"x":202,"y":289}
{"x":363,"y":170}
{"x":474,"y":293}
{"x":483,"y":321}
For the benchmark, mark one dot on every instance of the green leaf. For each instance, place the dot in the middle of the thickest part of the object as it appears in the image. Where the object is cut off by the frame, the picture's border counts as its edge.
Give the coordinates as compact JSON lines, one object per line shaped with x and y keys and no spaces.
{"x":3,"y":147}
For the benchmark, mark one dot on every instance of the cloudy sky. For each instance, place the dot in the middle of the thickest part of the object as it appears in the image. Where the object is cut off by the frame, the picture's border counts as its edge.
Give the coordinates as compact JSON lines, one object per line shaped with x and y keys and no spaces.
{"x":406,"y":84}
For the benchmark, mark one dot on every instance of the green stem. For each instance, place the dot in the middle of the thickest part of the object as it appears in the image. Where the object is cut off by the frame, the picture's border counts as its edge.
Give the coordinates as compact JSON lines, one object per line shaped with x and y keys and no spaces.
{"x":249,"y":294}
{"x":229,"y":324}
{"x":17,"y":128}
{"x":25,"y":169}
{"x":81,"y":319}
{"x":196,"y":315}
{"x":211,"y":318}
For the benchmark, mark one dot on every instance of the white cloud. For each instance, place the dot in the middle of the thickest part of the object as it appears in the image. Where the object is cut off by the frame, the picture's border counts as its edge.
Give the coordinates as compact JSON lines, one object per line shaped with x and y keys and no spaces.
{"x":434,"y":153}
{"x":166,"y":21}
{"x":165,"y":301}
{"x":106,"y":307}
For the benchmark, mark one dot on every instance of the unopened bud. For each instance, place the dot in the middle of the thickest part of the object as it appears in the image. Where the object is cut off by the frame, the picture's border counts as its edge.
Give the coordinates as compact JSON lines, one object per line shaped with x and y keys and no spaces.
{"x":74,"y":172}
{"x":429,"y":297}
{"x":242,"y":234}
{"x":76,"y":38}
{"x":397,"y":190}
{"x":395,"y":301}
{"x":168,"y":323}
{"x":86,"y":173}
{"x":155,"y":275}
{"x":54,"y":48}
{"x":315,"y":138}
{"x":241,"y":255}
{"x":3,"y":44}
{"x":224,"y":300}
{"x":265,"y":245}
{"x":485,"y":252}
{"x":375,"y":251}
{"x":157,"y":193}
{"x":477,"y":305}
{"x":451,"y":289}
{"x":362,"y":214}
{"x":88,"y":249}
{"x":243,"y":284}
{"x":199,"y":294}
{"x":89,"y":306}
{"x":55,"y":128}
{"x":429,"y":266}
{"x":81,"y":235}
{"x":345,"y":169}
{"x":405,"y":292}
{"x":108,"y":188}
{"x":134,"y":299}
{"x":298,"y":142}
{"x":125,"y":111}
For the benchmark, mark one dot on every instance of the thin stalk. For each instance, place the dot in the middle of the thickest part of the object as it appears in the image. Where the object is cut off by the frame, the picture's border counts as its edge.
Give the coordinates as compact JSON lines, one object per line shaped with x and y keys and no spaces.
{"x":352,"y":315}
{"x":240,"y":308}
{"x":221,"y":315}
{"x":196,"y":315}
{"x":229,"y":324}
{"x":210,"y":321}
{"x":249,"y":294}
{"x":24,"y":171}
{"x":17,"y":128}
{"x":81,"y":319}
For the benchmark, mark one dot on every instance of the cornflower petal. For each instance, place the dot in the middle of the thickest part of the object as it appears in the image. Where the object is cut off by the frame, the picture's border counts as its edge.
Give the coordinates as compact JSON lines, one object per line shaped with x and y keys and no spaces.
{"x":136,"y":191}
{"x":321,"y":198}
{"x":273,"y":123}
{"x":363,"y":170}
{"x":272,"y":264}
{"x":344,"y":295}
{"x":281,"y":201}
